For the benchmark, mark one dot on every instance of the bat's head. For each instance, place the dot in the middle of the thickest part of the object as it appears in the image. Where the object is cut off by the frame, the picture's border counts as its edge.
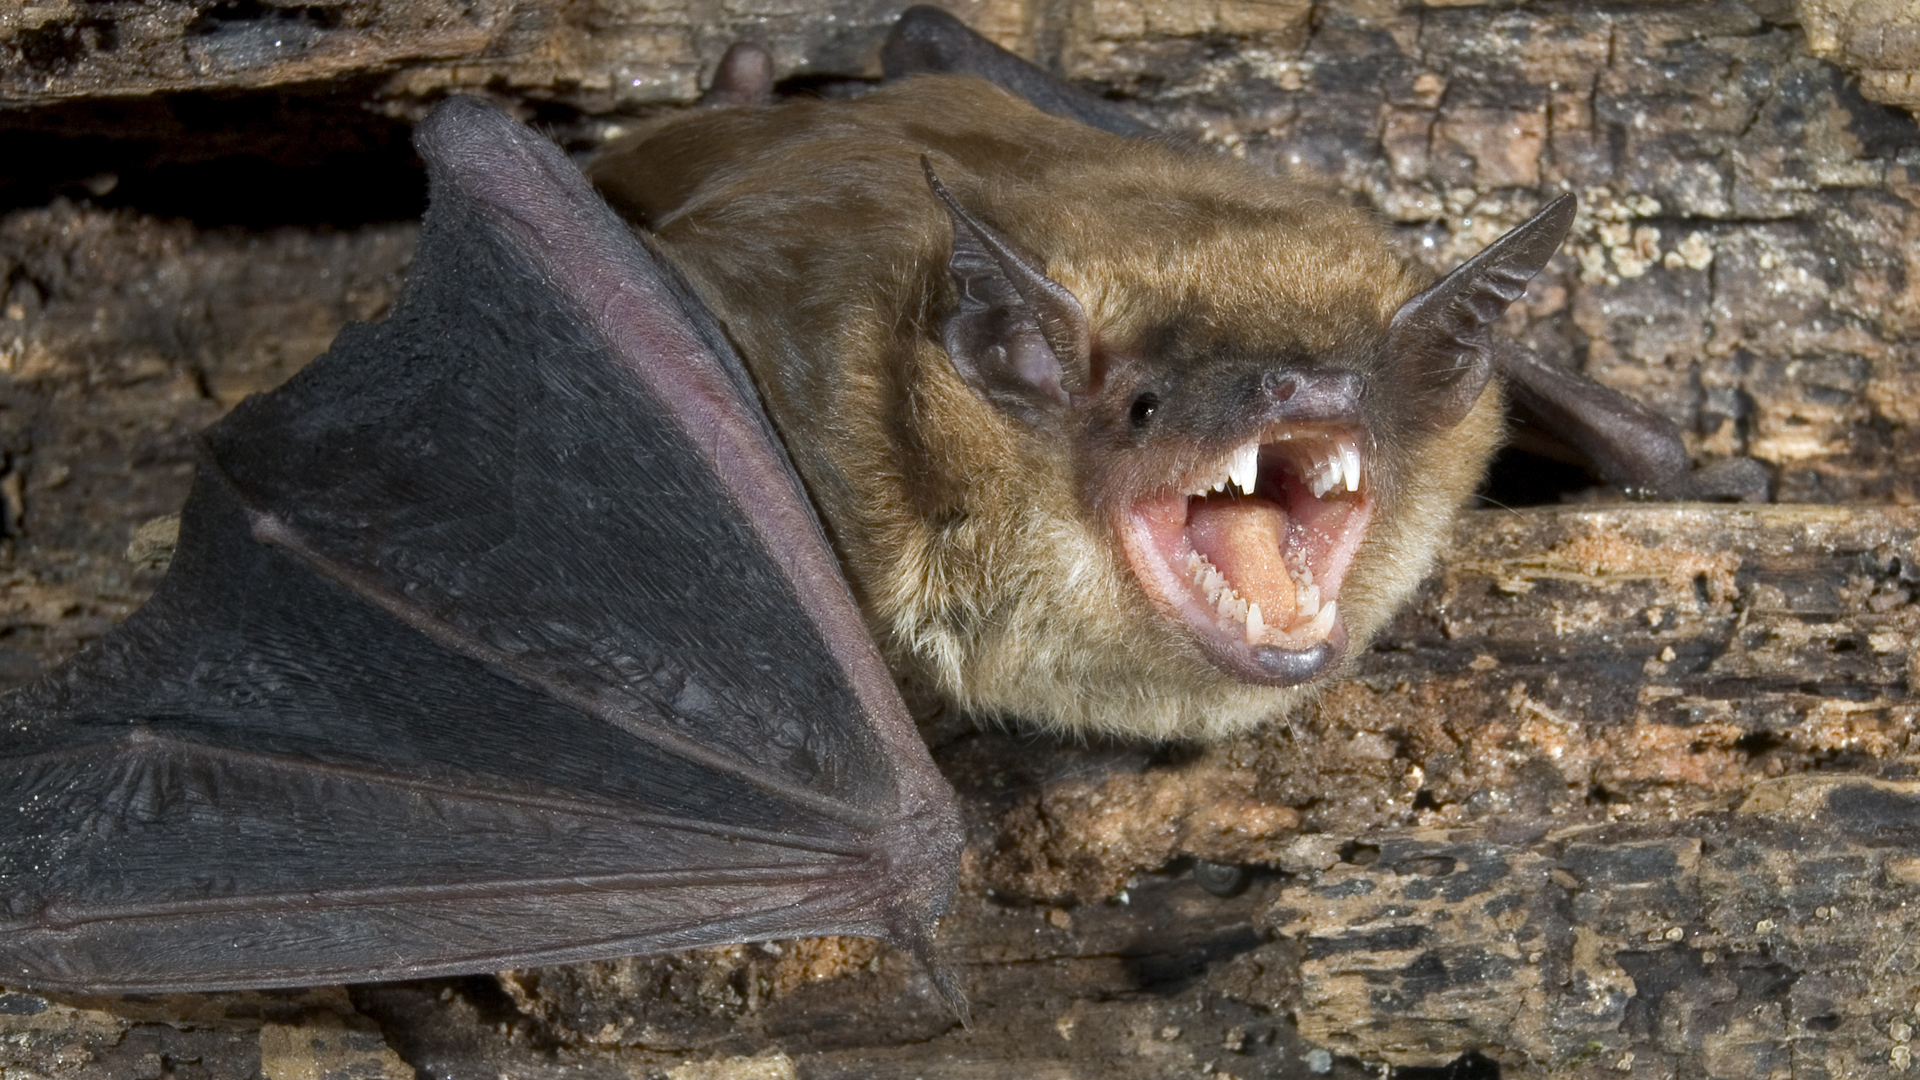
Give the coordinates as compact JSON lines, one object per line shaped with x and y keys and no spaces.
{"x":1275,"y":459}
{"x":1107,"y":435}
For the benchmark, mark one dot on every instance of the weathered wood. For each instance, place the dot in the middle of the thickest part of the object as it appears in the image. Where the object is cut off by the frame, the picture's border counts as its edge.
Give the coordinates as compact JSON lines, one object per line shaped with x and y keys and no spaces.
{"x":1772,"y":940}
{"x":1879,"y":41}
{"x":1461,"y":887}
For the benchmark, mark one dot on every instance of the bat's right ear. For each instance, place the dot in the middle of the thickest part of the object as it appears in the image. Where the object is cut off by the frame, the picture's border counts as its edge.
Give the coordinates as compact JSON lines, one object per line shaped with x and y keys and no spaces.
{"x":1442,"y":339}
{"x":1017,"y":336}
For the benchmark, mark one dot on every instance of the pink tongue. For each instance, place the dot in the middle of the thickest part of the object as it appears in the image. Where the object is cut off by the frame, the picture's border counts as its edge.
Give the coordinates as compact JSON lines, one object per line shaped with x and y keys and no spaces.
{"x":1243,"y":539}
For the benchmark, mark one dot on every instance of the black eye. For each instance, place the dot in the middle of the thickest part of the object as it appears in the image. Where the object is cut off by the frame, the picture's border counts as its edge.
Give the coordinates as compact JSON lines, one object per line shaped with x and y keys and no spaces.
{"x":1143,"y":409}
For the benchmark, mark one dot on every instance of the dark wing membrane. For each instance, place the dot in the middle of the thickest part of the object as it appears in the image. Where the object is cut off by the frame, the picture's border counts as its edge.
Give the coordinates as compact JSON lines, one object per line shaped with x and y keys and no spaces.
{"x":929,"y":41}
{"x":1566,"y":415}
{"x":501,"y":634}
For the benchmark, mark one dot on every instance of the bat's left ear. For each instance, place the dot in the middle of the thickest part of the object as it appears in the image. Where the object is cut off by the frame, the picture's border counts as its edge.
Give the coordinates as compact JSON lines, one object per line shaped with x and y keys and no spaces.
{"x":1442,"y":339}
{"x":1018,"y":337}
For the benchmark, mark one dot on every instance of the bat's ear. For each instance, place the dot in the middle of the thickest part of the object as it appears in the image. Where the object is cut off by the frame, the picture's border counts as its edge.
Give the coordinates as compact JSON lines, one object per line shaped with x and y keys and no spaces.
{"x":1018,"y":337}
{"x":1442,"y":339}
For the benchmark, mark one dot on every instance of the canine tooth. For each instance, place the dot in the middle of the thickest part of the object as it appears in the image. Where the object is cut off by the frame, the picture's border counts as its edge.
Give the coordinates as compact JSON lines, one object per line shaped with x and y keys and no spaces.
{"x":1256,"y":626}
{"x":1244,"y":470}
{"x":1322,"y":623}
{"x":1350,"y":457}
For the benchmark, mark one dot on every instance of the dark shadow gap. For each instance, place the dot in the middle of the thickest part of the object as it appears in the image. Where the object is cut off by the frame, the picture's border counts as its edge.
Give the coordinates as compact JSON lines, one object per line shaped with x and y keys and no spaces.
{"x":256,"y":161}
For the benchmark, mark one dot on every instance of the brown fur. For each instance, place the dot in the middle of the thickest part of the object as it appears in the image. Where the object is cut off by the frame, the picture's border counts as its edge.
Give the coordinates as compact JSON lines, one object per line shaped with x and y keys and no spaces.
{"x":976,"y":545}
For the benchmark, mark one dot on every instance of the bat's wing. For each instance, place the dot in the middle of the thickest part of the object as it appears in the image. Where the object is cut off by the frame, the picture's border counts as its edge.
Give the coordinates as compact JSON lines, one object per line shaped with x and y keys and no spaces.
{"x":1567,"y":415}
{"x":503,"y":634}
{"x":927,"y":40}
{"x":1555,"y":411}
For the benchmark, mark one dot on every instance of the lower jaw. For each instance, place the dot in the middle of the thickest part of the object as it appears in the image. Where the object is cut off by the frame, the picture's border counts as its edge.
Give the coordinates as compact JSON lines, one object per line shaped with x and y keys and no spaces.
{"x":1271,"y":664}
{"x":1276,"y":665}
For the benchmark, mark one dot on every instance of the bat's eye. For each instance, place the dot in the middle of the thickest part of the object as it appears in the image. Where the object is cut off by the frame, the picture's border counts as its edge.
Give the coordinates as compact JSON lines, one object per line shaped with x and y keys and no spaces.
{"x":1143,"y":409}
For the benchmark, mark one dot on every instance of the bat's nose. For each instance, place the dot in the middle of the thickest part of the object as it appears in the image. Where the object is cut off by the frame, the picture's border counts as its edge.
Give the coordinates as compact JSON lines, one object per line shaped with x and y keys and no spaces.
{"x":1310,"y":396}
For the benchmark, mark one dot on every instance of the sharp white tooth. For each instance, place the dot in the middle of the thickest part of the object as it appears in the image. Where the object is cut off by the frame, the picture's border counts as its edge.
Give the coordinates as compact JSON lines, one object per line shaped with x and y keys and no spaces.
{"x":1219,"y":485}
{"x":1244,"y":469}
{"x":1224,"y":606}
{"x":1335,"y":461}
{"x":1350,"y":457}
{"x":1256,"y":626}
{"x":1322,"y":623}
{"x":1308,"y":598}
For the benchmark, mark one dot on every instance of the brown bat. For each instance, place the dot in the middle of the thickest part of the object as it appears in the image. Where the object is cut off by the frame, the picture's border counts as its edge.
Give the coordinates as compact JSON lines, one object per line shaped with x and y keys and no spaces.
{"x":505,"y":633}
{"x":1110,"y":436}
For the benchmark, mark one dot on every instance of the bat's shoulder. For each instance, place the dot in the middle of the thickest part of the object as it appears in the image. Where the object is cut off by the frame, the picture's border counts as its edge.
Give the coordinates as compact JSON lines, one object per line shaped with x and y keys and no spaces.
{"x":861,"y":154}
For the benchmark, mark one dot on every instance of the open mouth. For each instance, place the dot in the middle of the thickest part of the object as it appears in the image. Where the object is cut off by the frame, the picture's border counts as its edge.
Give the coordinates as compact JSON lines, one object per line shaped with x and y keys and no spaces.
{"x":1251,"y":552}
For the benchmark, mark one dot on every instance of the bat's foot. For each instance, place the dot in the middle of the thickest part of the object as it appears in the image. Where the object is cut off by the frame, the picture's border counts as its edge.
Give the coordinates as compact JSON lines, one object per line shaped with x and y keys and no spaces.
{"x":1742,"y":479}
{"x":744,"y":77}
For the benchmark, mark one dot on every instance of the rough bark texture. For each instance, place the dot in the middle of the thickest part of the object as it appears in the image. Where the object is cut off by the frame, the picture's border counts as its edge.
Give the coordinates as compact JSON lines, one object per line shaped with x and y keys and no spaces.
{"x":1631,"y":791}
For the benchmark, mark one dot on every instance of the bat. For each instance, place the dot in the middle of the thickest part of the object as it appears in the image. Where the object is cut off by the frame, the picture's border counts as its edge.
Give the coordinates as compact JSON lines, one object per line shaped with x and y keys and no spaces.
{"x":501,"y":635}
{"x":1110,"y":435}
{"x":506,"y":633}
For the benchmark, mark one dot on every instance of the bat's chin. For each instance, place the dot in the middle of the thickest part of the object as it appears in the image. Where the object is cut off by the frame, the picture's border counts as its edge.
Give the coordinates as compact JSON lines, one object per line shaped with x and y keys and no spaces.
{"x":1251,"y":560}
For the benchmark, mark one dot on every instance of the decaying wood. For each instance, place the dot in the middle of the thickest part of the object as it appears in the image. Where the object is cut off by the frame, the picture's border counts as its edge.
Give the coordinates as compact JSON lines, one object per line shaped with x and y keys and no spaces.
{"x":1878,"y":40}
{"x":1631,"y":791}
